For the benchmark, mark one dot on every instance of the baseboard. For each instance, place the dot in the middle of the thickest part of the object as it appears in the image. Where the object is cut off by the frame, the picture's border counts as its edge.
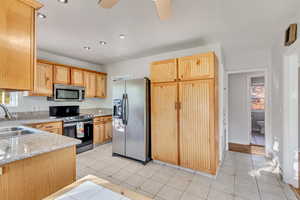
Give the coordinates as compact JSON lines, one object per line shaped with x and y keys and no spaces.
{"x":185,"y":169}
{"x":249,"y":149}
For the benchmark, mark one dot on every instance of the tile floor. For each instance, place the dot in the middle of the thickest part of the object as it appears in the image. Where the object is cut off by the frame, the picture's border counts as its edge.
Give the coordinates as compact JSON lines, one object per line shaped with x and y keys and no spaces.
{"x":241,"y":177}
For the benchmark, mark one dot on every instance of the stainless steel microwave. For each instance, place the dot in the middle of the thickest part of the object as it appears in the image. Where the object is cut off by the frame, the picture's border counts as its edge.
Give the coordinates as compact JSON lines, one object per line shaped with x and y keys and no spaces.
{"x":68,"y":93}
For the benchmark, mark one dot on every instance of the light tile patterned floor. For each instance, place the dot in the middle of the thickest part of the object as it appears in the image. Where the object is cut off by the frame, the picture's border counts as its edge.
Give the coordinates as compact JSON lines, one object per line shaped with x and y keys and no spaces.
{"x":241,"y":177}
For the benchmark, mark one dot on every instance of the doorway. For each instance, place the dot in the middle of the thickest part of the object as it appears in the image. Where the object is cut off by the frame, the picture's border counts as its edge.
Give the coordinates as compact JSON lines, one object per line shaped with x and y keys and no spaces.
{"x":257,"y":109}
{"x":247,"y":111}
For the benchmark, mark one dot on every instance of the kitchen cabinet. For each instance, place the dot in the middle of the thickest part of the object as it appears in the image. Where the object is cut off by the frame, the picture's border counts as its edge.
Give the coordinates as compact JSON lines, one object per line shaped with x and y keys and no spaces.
{"x":101,"y":85}
{"x":17,"y":44}
{"x":43,"y":80}
{"x":102,"y":130}
{"x":197,"y":125}
{"x":51,"y":127}
{"x":201,"y":66}
{"x":90,"y":84}
{"x":39,"y":176}
{"x":184,"y":113}
{"x":164,"y":71}
{"x":164,"y":127}
{"x":77,"y":77}
{"x":62,"y":75}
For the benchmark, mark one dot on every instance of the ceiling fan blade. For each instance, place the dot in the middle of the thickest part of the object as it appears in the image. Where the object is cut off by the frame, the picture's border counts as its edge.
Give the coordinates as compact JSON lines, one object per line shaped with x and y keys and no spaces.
{"x":163,"y":8}
{"x":107,"y":3}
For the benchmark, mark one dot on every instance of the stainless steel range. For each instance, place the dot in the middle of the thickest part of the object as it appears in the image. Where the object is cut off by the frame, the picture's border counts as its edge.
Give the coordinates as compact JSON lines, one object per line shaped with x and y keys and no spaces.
{"x":75,"y":125}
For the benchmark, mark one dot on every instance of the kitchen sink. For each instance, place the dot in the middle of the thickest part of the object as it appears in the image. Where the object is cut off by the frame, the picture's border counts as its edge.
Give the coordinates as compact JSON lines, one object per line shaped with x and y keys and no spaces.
{"x":14,"y":132}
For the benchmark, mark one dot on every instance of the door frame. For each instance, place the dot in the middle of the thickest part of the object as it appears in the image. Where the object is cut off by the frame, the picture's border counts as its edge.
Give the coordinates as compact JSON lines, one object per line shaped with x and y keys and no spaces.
{"x":249,"y":102}
{"x":268,"y":134}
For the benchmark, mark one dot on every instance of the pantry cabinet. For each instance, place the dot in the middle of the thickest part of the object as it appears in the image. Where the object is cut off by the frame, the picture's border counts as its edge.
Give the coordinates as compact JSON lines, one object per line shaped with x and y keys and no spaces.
{"x":201,"y":66}
{"x":43,"y":80}
{"x":164,"y":122}
{"x":62,"y":75}
{"x":102,"y":130}
{"x":164,"y":71}
{"x":197,"y":141}
{"x":17,"y":43}
{"x":77,"y":77}
{"x":184,"y":113}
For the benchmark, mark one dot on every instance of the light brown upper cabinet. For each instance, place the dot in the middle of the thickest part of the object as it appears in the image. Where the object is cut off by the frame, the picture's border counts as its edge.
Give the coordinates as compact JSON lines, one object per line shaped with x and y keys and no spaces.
{"x":90,"y":84}
{"x":195,"y":67}
{"x":164,"y":71}
{"x":43,"y":79}
{"x":101,"y":85}
{"x":62,"y":74}
{"x":17,"y":43}
{"x":77,"y":77}
{"x":198,"y":146}
{"x":164,"y":128}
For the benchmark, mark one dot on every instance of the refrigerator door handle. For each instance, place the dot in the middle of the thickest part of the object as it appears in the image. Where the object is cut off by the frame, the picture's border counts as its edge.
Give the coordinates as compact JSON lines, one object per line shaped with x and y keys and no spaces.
{"x":123,"y":110}
{"x":126,"y":109}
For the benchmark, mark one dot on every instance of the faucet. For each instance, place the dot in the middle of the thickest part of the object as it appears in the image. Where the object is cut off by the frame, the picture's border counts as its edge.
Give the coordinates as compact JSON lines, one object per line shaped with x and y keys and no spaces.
{"x":8,"y":115}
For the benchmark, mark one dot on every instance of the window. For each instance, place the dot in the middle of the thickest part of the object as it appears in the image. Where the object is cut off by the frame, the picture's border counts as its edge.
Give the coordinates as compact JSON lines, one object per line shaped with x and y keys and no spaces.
{"x":8,"y":98}
{"x":258,"y":97}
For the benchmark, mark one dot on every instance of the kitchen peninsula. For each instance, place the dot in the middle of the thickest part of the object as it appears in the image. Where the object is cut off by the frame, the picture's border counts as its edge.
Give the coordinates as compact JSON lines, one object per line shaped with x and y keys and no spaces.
{"x":34,"y":163}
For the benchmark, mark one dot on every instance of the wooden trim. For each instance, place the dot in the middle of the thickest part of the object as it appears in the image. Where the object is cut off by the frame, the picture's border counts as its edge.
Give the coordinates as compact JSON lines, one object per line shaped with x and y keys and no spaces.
{"x":249,"y":149}
{"x":72,"y":67}
{"x":34,"y":4}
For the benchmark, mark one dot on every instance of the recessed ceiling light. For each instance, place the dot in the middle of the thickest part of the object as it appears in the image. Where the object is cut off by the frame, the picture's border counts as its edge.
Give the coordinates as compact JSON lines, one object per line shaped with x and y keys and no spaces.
{"x":41,"y":15}
{"x":122,"y":36}
{"x":63,"y":1}
{"x":102,"y":42}
{"x":87,"y":48}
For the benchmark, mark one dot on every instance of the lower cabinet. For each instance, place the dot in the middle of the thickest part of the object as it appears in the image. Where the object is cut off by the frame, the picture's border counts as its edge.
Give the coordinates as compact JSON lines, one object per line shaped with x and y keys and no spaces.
{"x":37,"y":177}
{"x":51,"y":127}
{"x":102,"y":130}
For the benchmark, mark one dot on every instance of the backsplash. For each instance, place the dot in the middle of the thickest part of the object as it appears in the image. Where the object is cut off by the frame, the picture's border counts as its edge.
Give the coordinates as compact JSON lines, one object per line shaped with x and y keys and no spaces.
{"x":32,"y":104}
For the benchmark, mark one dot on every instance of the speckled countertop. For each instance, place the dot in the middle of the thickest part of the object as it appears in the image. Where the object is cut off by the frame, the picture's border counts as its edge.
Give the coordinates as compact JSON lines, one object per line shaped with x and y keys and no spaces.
{"x":43,"y":117}
{"x":26,"y":146}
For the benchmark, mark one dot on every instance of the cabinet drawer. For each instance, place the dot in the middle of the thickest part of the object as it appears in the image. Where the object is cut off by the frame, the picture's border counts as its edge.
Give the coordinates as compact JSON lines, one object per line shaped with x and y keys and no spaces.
{"x":52,"y":127}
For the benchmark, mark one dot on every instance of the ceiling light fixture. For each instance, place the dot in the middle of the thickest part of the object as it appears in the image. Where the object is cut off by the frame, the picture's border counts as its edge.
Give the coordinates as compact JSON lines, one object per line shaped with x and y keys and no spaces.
{"x":122,"y":36}
{"x":63,"y":1}
{"x":87,"y":48}
{"x":102,"y":42}
{"x":41,"y":15}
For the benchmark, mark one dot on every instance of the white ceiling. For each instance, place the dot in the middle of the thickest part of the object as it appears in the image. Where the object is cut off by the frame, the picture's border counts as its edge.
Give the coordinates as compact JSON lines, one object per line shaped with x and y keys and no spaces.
{"x":240,"y":24}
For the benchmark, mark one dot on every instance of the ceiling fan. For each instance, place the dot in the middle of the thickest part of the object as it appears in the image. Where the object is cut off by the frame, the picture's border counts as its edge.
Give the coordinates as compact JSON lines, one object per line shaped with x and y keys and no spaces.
{"x":163,"y":7}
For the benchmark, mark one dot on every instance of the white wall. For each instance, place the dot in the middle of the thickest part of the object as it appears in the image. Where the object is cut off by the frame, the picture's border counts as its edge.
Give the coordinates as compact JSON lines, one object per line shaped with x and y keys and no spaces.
{"x":285,"y":138}
{"x":239,"y":116}
{"x":28,"y":104}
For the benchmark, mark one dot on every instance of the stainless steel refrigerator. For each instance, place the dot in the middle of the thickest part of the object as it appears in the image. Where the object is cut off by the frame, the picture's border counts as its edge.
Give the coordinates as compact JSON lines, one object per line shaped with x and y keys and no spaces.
{"x":131,"y":119}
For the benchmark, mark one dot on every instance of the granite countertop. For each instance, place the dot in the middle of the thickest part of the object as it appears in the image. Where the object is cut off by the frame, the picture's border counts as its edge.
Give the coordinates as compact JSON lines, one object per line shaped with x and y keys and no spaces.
{"x":26,"y":146}
{"x":43,"y":117}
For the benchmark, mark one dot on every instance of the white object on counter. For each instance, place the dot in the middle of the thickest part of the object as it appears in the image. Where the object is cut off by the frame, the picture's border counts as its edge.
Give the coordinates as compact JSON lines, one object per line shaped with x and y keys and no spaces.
{"x":91,"y":191}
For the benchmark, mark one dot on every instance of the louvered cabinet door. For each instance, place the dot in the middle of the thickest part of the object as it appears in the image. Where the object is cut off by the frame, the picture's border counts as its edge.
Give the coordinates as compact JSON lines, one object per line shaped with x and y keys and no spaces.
{"x":201,"y":66}
{"x":163,"y":71}
{"x":164,"y":122}
{"x":197,"y":146}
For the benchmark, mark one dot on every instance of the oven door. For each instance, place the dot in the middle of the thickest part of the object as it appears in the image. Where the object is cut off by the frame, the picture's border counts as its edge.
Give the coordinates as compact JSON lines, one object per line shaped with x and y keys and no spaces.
{"x":68,"y":93}
{"x":70,"y":130}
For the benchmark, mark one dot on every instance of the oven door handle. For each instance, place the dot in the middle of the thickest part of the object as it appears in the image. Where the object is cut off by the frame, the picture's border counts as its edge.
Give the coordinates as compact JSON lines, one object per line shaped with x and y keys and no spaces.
{"x":75,"y":124}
